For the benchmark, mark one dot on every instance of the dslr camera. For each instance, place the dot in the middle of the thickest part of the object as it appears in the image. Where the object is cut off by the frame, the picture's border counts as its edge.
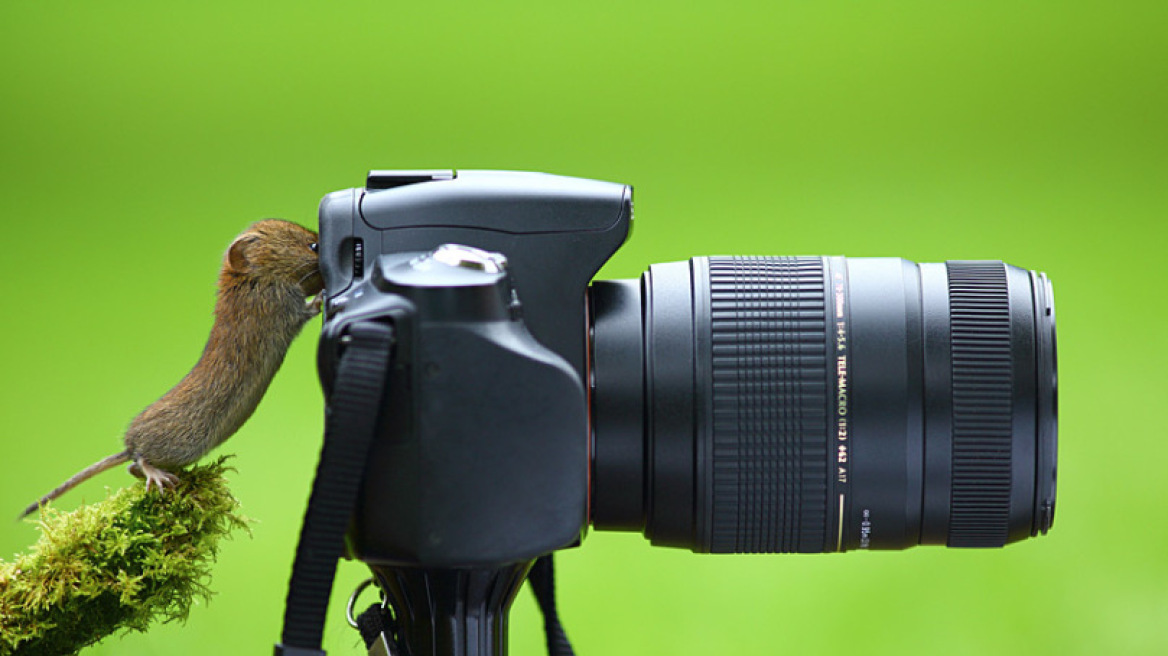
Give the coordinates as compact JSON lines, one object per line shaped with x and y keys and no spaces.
{"x":722,"y":404}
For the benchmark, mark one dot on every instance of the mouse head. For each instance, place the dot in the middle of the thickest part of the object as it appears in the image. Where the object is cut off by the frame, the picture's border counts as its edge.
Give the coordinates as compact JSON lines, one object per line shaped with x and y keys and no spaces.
{"x":276,"y":251}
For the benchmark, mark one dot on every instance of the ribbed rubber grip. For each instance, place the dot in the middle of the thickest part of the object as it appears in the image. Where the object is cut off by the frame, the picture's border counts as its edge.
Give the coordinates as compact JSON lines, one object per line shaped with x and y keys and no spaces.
{"x":770,"y":404}
{"x":982,"y":404}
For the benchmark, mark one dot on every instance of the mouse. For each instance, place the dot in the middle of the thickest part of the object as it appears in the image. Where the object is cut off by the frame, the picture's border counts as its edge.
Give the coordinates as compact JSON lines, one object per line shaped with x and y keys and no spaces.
{"x":269,"y":273}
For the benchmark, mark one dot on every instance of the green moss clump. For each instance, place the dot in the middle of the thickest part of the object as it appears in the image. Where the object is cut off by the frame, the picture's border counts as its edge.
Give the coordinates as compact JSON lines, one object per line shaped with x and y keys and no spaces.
{"x":116,"y":565}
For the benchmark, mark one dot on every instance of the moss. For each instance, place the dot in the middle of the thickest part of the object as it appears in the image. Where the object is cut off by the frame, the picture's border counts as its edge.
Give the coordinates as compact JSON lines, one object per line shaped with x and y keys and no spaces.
{"x":117,"y":565}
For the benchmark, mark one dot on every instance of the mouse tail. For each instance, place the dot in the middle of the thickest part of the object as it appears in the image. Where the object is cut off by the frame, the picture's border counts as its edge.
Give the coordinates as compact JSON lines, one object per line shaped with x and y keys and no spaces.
{"x":89,"y":472}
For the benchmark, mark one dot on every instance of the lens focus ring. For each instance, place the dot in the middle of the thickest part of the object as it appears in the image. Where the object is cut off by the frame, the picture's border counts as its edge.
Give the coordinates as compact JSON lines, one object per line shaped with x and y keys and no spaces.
{"x":769,"y":399}
{"x":982,"y":404}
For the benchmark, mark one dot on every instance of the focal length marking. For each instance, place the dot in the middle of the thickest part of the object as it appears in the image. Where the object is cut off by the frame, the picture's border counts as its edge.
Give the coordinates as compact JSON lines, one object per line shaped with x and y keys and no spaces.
{"x":843,"y":432}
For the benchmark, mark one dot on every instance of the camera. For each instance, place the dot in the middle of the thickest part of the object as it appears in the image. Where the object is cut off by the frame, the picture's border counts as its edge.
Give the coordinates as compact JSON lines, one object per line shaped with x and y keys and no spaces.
{"x":723,"y":404}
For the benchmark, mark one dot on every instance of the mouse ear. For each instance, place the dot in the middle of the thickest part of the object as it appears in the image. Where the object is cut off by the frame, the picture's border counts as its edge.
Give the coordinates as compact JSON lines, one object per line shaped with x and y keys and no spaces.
{"x":237,"y":253}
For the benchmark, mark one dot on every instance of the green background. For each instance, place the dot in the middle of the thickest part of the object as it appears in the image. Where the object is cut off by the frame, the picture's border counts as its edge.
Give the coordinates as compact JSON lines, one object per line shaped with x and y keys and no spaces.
{"x":137,"y":139}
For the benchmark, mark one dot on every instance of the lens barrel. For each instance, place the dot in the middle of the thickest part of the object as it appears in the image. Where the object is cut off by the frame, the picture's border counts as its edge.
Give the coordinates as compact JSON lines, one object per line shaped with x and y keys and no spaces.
{"x":811,"y":404}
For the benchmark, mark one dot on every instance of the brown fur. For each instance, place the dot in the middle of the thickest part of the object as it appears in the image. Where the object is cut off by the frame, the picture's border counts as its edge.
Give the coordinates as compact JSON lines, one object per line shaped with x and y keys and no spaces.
{"x":268,"y":273}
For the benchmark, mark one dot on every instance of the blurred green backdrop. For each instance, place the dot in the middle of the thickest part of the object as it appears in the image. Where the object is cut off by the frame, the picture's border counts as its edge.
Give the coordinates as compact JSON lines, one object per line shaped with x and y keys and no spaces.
{"x":137,"y":138}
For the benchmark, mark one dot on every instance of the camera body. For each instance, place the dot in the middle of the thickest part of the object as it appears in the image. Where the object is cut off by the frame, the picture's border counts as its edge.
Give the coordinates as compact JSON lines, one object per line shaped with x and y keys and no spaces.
{"x":484,"y":446}
{"x":727,"y":404}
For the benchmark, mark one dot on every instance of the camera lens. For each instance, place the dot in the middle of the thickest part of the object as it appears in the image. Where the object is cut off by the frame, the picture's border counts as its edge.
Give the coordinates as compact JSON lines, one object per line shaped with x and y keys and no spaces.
{"x":812,"y":404}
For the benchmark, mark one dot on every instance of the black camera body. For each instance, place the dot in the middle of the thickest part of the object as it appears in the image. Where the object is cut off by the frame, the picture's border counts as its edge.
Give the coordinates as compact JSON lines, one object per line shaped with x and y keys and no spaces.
{"x":733,"y":404}
{"x":483,"y":453}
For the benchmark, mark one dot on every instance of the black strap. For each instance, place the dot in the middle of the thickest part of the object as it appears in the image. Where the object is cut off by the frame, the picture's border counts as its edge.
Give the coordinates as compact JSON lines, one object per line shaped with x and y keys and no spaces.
{"x":372,"y":623}
{"x":351,"y":421}
{"x":543,"y":584}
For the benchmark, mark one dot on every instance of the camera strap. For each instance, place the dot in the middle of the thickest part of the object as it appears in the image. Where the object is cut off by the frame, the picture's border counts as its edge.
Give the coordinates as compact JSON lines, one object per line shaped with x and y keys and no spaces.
{"x":351,"y":419}
{"x":543,"y":583}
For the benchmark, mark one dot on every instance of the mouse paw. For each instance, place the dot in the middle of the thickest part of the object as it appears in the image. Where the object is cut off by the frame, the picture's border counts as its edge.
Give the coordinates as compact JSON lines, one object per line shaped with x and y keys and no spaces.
{"x":161,"y":478}
{"x":315,"y":304}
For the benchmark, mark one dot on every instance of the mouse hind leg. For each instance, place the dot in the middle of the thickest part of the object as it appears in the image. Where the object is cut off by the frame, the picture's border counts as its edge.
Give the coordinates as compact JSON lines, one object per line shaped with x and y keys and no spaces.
{"x":153,"y":475}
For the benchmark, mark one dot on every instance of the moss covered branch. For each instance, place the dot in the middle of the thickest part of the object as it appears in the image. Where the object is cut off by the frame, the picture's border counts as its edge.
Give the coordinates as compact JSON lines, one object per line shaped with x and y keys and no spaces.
{"x":117,"y":565}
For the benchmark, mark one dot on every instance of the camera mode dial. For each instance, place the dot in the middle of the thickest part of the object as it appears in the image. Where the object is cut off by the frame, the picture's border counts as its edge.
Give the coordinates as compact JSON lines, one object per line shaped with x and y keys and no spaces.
{"x":450,"y":283}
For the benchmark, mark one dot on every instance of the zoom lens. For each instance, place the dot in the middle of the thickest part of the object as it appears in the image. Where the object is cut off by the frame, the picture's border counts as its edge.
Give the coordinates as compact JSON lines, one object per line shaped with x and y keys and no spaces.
{"x":811,"y":404}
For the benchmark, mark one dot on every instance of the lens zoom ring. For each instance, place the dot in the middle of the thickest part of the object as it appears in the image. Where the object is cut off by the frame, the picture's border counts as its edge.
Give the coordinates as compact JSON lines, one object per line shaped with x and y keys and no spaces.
{"x":982,"y":404}
{"x":770,"y":389}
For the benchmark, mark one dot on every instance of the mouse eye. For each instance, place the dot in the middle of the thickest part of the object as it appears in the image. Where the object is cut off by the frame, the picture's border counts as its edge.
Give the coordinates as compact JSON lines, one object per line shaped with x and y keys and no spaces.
{"x":313,"y":246}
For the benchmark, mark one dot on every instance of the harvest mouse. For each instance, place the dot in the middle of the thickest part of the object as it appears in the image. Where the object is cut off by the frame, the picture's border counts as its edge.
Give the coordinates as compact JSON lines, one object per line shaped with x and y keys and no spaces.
{"x":268,"y":274}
